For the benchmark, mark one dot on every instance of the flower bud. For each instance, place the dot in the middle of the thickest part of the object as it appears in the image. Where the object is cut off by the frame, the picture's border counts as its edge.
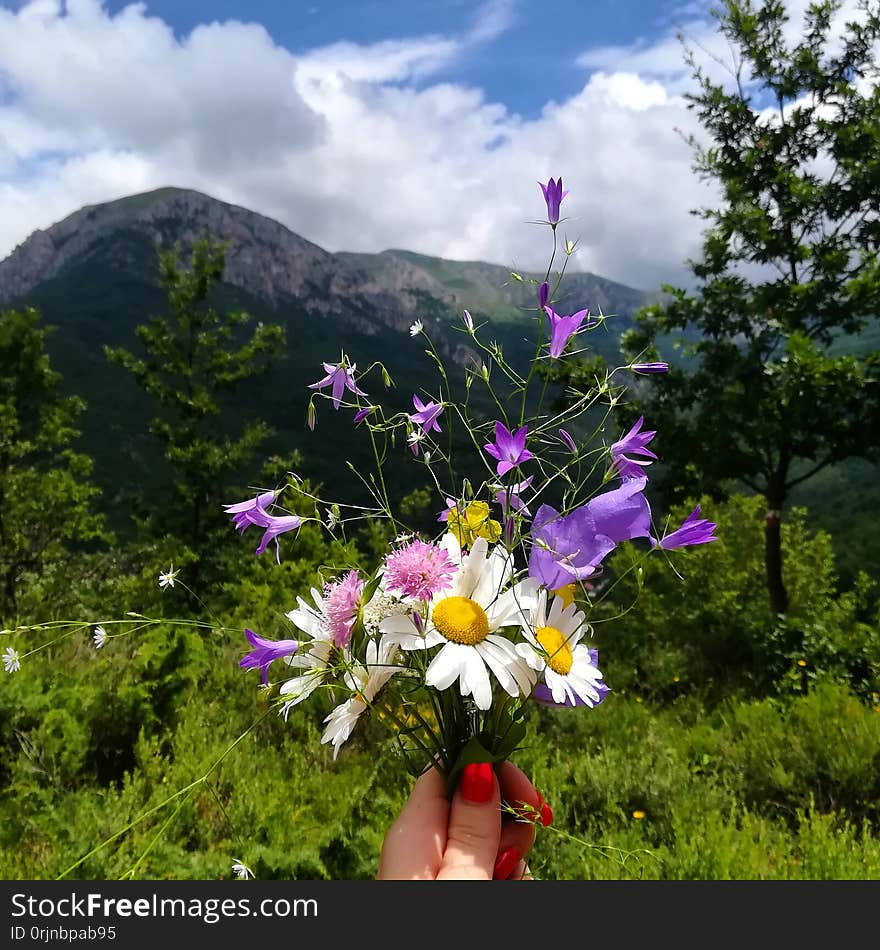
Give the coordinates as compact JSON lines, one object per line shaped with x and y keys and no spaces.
{"x":568,"y":441}
{"x":509,"y":527}
{"x":650,"y":367}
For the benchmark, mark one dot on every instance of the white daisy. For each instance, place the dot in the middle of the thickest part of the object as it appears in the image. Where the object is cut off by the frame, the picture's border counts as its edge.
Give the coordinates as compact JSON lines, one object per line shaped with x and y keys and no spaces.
{"x":99,"y":637}
{"x":463,"y":620}
{"x":11,"y":660}
{"x":241,"y":870}
{"x":416,"y":328}
{"x":364,"y":682}
{"x":554,"y":649}
{"x":312,"y":657}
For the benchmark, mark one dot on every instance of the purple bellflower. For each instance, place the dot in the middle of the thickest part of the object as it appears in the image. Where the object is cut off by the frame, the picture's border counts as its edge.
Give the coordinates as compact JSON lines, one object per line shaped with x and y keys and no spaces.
{"x":553,"y":195}
{"x":563,"y":328}
{"x":567,"y":548}
{"x":340,"y":377}
{"x":634,"y":443}
{"x":693,"y":530}
{"x":650,"y":367}
{"x":239,"y":510}
{"x":265,"y":652}
{"x":508,"y":448}
{"x":509,"y":498}
{"x":274,"y":525}
{"x":253,"y":511}
{"x":426,"y":415}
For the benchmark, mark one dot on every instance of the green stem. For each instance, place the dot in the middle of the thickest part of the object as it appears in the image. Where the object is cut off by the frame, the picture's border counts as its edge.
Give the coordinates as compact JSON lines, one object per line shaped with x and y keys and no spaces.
{"x":152,"y":811}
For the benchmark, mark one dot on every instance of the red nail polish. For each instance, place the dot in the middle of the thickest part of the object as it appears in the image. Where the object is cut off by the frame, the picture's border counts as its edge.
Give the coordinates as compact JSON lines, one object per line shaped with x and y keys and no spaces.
{"x":507,"y":861}
{"x":477,"y":782}
{"x":546,"y":815}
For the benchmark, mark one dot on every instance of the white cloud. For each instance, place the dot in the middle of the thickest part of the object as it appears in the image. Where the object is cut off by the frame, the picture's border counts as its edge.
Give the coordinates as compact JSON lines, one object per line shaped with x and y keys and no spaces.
{"x":354,"y":147}
{"x":491,"y":20}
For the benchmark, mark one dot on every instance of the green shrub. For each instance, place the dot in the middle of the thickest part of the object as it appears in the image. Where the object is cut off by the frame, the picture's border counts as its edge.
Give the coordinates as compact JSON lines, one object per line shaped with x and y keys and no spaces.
{"x":708,"y":621}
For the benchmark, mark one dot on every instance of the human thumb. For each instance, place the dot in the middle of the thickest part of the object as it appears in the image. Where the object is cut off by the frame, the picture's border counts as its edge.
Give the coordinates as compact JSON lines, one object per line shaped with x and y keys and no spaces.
{"x":474,"y":826}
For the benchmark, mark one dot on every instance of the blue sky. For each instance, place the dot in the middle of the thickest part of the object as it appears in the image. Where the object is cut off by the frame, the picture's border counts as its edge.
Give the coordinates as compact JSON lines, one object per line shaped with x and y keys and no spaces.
{"x":369,"y":124}
{"x":531,"y":61}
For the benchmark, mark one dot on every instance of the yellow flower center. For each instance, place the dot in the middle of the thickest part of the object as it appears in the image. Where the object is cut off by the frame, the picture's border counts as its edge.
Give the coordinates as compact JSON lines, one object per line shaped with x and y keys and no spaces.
{"x":555,"y":643}
{"x":461,"y":620}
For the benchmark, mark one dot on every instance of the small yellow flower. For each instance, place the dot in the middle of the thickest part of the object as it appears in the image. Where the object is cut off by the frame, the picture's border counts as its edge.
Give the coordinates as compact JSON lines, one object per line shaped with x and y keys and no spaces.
{"x":638,"y":815}
{"x":474,"y":523}
{"x":638,"y":699}
{"x":676,"y":679}
{"x":802,"y":662}
{"x":567,"y":594}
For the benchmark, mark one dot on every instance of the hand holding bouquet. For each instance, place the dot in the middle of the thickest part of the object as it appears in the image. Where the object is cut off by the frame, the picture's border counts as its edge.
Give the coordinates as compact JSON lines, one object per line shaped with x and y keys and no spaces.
{"x":450,"y":639}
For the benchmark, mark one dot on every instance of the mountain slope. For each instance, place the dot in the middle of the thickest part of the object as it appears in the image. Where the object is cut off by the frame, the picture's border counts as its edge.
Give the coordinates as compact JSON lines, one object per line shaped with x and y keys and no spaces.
{"x":94,"y":277}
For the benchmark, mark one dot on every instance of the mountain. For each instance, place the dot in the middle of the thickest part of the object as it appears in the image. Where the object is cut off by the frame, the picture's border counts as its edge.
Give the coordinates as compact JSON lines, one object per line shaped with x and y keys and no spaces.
{"x":268,"y":261}
{"x":93,"y":276}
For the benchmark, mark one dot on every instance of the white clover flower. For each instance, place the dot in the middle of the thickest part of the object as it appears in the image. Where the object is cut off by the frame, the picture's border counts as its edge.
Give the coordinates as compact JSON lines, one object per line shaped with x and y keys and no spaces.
{"x":241,"y":870}
{"x":380,"y":607}
{"x":99,"y":637}
{"x":167,"y":578}
{"x":416,"y":328}
{"x":11,"y":660}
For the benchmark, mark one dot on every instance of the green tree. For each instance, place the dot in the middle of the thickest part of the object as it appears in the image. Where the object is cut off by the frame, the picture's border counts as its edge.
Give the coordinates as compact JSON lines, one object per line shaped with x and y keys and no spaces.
{"x":768,"y":393}
{"x":195,"y":360}
{"x":45,"y":495}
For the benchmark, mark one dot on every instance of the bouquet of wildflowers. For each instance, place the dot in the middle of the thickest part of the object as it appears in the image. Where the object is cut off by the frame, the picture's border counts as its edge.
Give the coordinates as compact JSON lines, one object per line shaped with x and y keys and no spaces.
{"x":451,"y":638}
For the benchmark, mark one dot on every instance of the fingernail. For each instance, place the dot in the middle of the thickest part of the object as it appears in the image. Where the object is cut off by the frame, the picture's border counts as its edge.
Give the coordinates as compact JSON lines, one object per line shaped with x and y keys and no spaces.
{"x":505,"y":864}
{"x":546,"y":814}
{"x":477,"y":782}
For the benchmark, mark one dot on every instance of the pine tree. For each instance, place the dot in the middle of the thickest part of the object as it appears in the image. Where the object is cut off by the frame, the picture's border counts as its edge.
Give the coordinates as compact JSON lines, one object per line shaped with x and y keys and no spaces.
{"x":194,"y":362}
{"x":45,"y":495}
